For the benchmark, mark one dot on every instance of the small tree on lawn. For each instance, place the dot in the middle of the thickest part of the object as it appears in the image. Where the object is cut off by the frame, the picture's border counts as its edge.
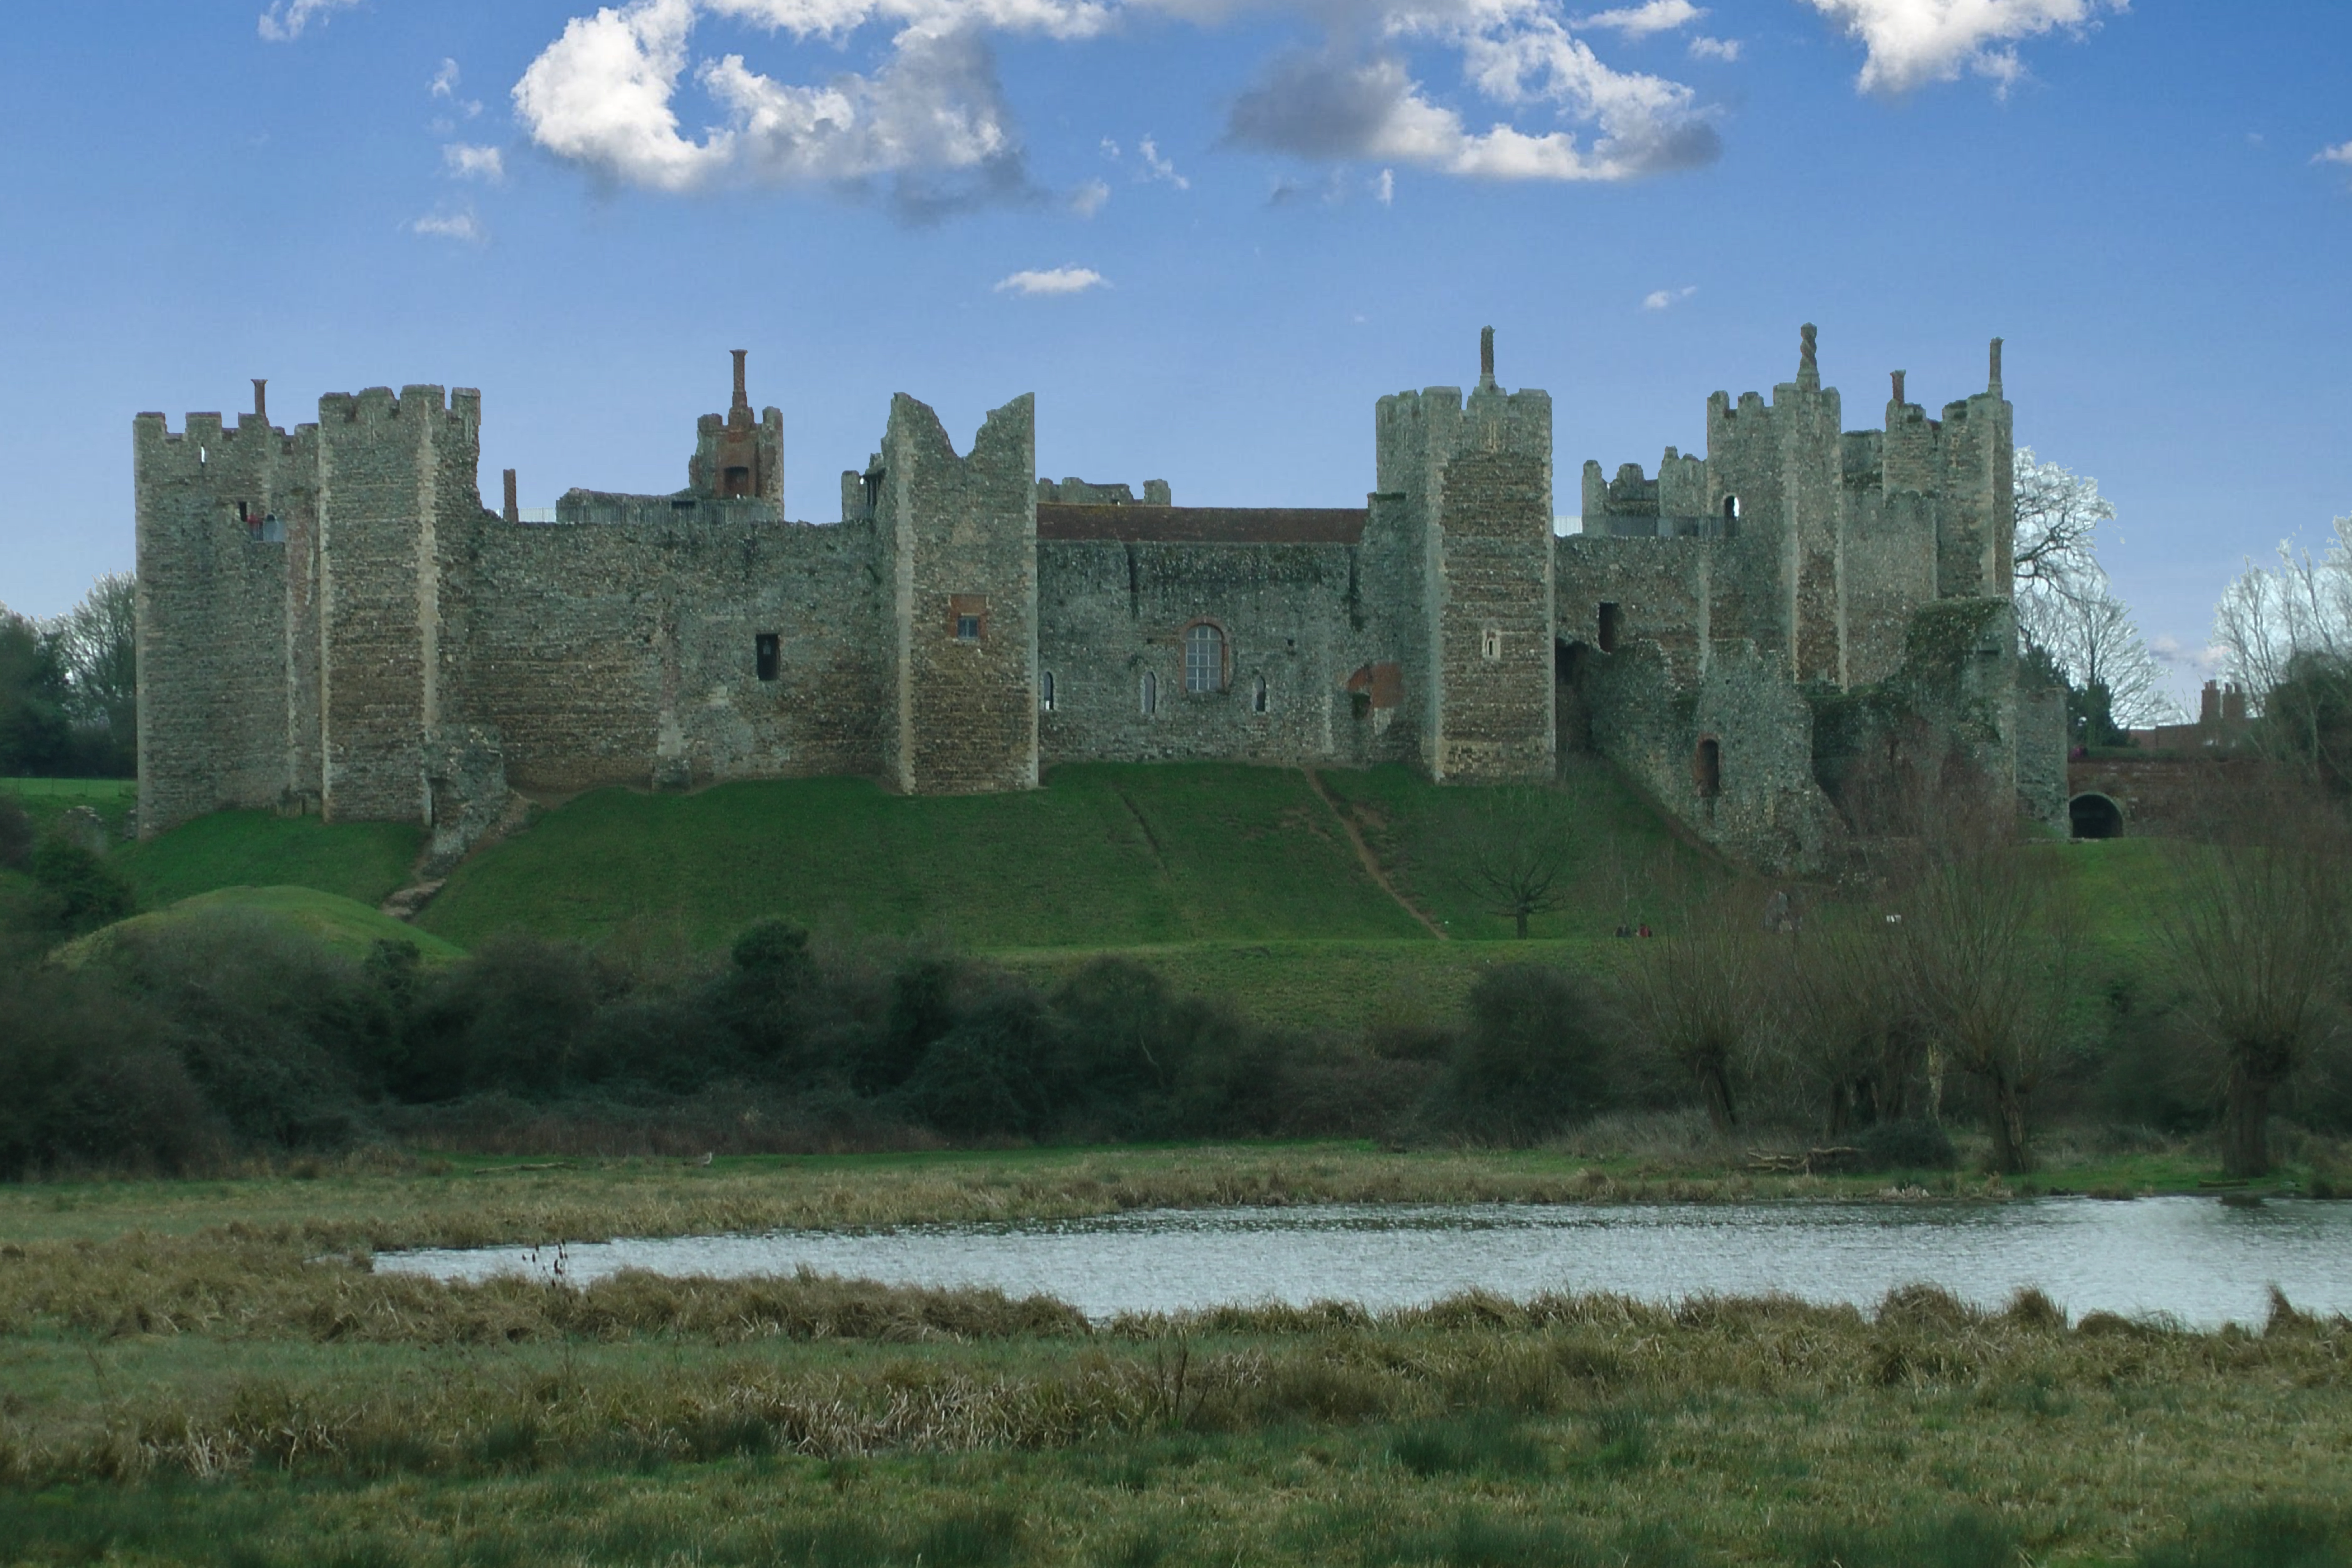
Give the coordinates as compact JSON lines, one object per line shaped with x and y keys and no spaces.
{"x":2257,"y":934}
{"x":1513,"y":853}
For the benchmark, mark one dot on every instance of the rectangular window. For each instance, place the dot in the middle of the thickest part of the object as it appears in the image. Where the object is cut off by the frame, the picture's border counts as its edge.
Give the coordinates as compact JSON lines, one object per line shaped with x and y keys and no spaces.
{"x":1607,"y":627}
{"x":767,"y":654}
{"x":968,"y":616}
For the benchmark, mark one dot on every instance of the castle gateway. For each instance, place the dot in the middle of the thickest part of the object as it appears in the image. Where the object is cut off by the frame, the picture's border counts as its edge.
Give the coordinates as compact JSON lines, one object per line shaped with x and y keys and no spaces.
{"x":331,"y":620}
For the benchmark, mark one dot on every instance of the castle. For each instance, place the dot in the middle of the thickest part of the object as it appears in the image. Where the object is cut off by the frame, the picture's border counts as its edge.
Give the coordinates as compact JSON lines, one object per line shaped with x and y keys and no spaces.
{"x":331,"y":620}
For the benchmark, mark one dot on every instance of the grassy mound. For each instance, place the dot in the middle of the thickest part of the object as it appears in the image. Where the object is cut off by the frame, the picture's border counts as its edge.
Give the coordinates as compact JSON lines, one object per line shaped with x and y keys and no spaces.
{"x":1104,"y":856}
{"x":362,"y":861}
{"x":343,"y":925}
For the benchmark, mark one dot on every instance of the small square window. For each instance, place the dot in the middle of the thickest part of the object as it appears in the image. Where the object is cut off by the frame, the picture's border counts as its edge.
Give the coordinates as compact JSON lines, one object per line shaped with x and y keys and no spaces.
{"x":766,"y":653}
{"x":968,"y":616}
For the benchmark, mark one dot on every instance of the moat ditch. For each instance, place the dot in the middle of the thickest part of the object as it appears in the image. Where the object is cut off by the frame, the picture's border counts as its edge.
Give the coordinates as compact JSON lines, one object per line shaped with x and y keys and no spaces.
{"x":2193,"y":1260}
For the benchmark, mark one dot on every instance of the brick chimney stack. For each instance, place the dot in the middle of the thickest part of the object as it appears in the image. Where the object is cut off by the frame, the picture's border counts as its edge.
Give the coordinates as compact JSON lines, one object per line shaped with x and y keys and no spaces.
{"x":742,"y":400}
{"x":261,"y":398}
{"x":513,"y":512}
{"x":1485,"y":356}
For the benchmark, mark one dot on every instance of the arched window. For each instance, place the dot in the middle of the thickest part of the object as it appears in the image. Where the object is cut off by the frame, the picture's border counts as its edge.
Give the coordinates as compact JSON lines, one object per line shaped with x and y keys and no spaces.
{"x":1046,"y":691}
{"x":1150,"y":692}
{"x":1204,"y":659}
{"x":1730,"y":513}
{"x":1257,"y":698}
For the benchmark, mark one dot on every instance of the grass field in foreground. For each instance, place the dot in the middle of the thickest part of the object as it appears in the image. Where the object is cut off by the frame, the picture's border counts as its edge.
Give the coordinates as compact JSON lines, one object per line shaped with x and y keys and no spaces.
{"x":240,"y":1399}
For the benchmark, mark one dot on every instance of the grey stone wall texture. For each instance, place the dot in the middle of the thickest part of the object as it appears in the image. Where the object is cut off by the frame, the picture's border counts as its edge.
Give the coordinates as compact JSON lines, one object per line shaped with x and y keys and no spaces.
{"x":330,"y":621}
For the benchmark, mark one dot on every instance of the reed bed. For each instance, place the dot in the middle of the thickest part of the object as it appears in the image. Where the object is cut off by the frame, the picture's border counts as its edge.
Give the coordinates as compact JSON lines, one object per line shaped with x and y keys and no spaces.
{"x":381,"y":1202}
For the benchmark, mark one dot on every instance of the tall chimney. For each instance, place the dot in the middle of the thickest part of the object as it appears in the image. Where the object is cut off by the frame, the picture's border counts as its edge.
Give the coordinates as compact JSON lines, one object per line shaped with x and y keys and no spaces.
{"x":1485,"y":356}
{"x":1995,"y":387}
{"x":514,"y":514}
{"x":261,"y":398}
{"x":1898,"y":388}
{"x":741,"y":400}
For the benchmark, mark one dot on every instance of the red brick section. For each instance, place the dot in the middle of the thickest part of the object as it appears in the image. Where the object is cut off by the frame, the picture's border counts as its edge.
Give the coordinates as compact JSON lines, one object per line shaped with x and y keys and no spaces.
{"x":1201,"y":524}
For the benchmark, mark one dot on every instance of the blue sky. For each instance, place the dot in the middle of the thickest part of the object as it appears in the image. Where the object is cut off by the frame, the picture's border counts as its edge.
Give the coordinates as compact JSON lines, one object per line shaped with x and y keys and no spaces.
{"x":1206,"y":233}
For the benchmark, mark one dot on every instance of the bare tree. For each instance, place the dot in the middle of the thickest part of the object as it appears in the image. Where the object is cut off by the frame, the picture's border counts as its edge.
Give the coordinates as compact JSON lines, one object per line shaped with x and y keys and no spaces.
{"x":2066,"y":605}
{"x":1846,"y":1025}
{"x":2257,"y":933}
{"x":2285,"y":633}
{"x":1513,"y":852}
{"x":1697,"y":995}
{"x":99,"y":639}
{"x":1991,"y":949}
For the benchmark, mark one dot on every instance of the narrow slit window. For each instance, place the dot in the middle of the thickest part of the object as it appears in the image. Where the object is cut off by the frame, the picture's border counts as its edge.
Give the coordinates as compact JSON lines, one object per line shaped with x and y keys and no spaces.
{"x":1046,"y":691}
{"x":766,"y":653}
{"x":1150,"y":692}
{"x":1491,"y":643}
{"x":1608,"y":628}
{"x":1257,"y":697}
{"x":1706,"y":769}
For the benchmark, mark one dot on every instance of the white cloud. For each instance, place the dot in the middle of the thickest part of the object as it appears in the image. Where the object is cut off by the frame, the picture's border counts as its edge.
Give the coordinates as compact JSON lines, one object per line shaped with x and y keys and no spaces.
{"x":1057,"y":280}
{"x":601,"y":96}
{"x":2339,"y":153}
{"x":1912,"y":42}
{"x":612,"y":94}
{"x":445,"y":81}
{"x":461,"y":226}
{"x":1663,"y":299}
{"x":1705,"y":49}
{"x":2208,"y":660}
{"x":1640,"y":21}
{"x":1158,"y":167}
{"x":1088,"y":198}
{"x":1384,"y":187}
{"x":468,"y":162}
{"x":285,"y":19}
{"x":1318,"y":107}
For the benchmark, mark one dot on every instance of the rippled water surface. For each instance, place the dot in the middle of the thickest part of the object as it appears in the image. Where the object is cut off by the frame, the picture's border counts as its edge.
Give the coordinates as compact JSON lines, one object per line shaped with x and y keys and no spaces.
{"x":2196,"y":1260}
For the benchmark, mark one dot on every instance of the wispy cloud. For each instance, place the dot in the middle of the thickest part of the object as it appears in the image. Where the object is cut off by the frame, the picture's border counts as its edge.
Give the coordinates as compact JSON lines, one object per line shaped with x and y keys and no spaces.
{"x":1089,"y":197}
{"x":1640,"y":21}
{"x":468,"y":162}
{"x":2202,"y":660}
{"x":1726,"y":50}
{"x":285,"y":19}
{"x":1665,"y":298}
{"x":1053,"y":281}
{"x":1384,"y":187}
{"x":461,"y":227}
{"x":1159,"y":168}
{"x":2339,"y":153}
{"x":1912,"y":42}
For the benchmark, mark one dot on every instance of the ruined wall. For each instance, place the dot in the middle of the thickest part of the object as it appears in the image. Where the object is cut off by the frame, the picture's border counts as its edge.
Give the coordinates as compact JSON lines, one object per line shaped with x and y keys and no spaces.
{"x":613,"y":655}
{"x":1291,"y":624}
{"x":958,"y":542}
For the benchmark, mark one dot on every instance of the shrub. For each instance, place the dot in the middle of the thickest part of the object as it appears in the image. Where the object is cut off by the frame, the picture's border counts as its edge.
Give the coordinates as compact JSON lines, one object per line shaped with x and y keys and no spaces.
{"x":91,"y":1082}
{"x":80,"y":890}
{"x":16,"y":834}
{"x":512,"y":1017}
{"x":1534,"y":1057}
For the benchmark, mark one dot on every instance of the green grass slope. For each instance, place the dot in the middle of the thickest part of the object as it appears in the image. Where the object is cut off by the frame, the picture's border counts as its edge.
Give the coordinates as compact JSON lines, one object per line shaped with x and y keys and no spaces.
{"x":343,"y":924}
{"x":362,"y":861}
{"x":1104,"y":856}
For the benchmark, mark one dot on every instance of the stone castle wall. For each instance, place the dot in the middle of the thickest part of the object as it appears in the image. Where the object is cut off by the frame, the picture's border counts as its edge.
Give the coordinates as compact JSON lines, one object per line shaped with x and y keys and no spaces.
{"x":331,"y":620}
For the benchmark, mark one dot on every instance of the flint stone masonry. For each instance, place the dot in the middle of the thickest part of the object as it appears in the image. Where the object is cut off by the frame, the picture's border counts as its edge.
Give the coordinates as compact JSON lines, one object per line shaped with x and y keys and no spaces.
{"x":330,"y":620}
